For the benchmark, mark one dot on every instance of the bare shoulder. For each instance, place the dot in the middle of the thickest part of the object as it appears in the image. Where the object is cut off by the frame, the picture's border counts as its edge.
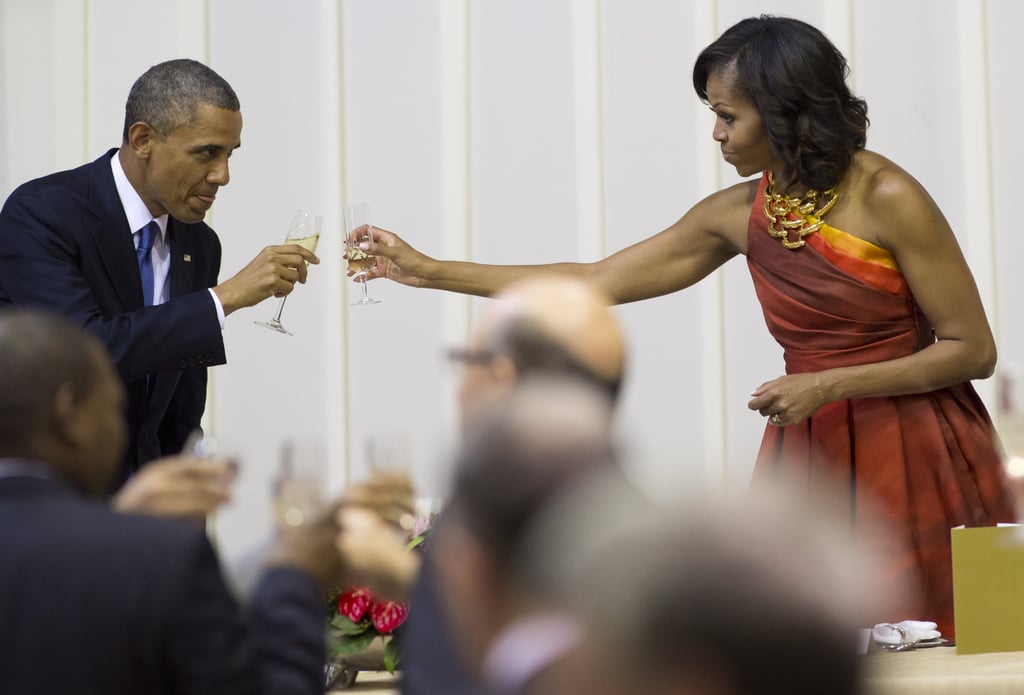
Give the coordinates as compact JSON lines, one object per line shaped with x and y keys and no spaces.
{"x":725,"y":213}
{"x":737,"y":198}
{"x":885,"y":187}
{"x":894,"y":206}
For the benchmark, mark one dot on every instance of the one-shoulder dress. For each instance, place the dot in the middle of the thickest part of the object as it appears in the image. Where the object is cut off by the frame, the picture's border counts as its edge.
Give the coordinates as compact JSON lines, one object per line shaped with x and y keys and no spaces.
{"x":926,"y":462}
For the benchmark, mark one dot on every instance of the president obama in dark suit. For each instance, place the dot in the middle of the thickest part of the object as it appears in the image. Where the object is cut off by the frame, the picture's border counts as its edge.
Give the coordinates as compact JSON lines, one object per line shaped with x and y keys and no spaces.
{"x":119,"y":247}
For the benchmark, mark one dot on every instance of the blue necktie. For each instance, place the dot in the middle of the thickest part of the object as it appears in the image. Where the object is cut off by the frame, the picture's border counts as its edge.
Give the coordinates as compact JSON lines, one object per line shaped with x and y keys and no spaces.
{"x":145,"y":255}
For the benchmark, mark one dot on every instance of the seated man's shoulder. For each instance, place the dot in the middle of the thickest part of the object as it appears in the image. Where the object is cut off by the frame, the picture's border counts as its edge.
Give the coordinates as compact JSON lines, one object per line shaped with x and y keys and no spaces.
{"x":87,"y":526}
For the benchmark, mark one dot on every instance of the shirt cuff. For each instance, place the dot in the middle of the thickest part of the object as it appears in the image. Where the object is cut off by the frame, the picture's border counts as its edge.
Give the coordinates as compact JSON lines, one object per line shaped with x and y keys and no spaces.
{"x":220,"y":308}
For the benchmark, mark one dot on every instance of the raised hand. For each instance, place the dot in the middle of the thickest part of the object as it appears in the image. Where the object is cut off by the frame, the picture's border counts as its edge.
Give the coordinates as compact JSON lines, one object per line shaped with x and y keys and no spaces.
{"x":180,"y":486}
{"x":396,"y":260}
{"x":310,"y":547}
{"x":374,"y":554}
{"x":273,"y":273}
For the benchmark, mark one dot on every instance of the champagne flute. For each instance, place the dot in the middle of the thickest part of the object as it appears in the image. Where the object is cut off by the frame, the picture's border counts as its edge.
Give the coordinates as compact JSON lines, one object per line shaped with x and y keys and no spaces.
{"x":300,"y":482}
{"x":203,"y":445}
{"x":387,"y":452}
{"x":200,"y":444}
{"x":357,"y":215}
{"x":305,"y":232}
{"x":388,"y":456}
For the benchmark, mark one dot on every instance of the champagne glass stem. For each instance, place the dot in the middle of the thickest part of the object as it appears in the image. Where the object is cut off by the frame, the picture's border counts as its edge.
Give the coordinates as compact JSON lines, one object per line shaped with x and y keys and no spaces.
{"x":304,"y":231}
{"x":362,"y":278}
{"x":280,"y":308}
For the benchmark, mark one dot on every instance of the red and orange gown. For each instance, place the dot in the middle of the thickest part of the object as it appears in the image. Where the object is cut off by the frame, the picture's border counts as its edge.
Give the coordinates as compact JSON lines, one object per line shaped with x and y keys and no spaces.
{"x":927,"y":462}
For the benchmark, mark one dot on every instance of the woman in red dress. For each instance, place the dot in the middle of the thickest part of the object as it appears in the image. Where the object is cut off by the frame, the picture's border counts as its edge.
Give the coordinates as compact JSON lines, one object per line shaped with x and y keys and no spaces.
{"x":861,"y":281}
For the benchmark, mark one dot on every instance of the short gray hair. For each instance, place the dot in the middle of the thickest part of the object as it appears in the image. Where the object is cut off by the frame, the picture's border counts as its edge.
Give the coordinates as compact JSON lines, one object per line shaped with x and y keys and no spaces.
{"x":168,"y":95}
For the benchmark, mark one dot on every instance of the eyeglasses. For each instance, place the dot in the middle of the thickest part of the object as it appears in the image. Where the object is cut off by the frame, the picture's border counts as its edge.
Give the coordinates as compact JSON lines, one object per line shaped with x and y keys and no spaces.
{"x":470,"y":357}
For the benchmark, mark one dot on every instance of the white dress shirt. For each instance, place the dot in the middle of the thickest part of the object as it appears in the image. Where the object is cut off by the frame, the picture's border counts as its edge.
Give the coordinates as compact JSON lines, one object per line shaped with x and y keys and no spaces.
{"x":138,"y":217}
{"x":527,"y":646}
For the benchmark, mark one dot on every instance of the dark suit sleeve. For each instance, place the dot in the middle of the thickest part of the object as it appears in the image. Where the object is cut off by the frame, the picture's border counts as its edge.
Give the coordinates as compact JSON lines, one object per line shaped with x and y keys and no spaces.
{"x":55,"y":254}
{"x":287,"y":622}
{"x":184,"y":412}
{"x":430,"y":660}
{"x":213,"y":648}
{"x":188,"y":401}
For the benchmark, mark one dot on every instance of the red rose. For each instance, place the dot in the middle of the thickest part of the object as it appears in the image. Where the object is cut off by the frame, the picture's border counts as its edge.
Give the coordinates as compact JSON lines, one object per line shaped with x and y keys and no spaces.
{"x":388,"y":615}
{"x":353,"y":603}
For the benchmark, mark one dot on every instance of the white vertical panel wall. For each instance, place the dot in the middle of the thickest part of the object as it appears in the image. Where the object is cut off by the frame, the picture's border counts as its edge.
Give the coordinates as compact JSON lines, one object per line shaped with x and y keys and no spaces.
{"x":43,"y":101}
{"x":397,"y":83}
{"x":1006,"y":98}
{"x":652,"y":175}
{"x":283,"y":64}
{"x":117,"y":52}
{"x":503,"y":131}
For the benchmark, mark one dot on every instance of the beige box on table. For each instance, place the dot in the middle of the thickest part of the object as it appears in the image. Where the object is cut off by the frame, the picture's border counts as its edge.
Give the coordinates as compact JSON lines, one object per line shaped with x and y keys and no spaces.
{"x":988,"y":589}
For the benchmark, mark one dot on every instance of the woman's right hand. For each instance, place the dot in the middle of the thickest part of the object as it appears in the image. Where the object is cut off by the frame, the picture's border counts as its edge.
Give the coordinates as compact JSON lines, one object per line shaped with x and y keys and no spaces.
{"x":396,"y":260}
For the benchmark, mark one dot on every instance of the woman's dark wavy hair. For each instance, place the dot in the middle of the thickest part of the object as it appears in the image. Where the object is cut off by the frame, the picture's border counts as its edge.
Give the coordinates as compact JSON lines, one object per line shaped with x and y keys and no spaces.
{"x":797,"y":80}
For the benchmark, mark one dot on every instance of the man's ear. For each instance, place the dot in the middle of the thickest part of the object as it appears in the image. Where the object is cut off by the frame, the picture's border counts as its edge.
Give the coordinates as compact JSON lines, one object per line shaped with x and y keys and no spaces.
{"x":67,"y":415}
{"x":141,"y":137}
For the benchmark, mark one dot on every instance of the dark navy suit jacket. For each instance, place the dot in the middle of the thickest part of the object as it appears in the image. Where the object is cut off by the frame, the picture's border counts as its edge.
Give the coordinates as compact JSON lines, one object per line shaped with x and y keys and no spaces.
{"x":65,"y":246}
{"x":431,"y":664}
{"x":98,"y":603}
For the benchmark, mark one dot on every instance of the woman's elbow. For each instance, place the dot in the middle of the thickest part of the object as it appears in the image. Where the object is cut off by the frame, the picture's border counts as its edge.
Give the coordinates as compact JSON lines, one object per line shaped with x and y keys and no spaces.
{"x":985,"y":360}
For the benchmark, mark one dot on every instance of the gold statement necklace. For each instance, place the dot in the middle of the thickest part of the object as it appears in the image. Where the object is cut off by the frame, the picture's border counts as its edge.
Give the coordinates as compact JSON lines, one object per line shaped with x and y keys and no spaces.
{"x":788,"y":216}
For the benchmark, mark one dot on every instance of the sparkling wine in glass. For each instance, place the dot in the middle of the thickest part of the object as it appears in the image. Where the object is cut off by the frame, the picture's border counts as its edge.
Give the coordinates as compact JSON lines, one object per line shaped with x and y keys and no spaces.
{"x":203,"y":445}
{"x":305,"y":232}
{"x":300,"y":481}
{"x":356,"y":216}
{"x":388,"y":456}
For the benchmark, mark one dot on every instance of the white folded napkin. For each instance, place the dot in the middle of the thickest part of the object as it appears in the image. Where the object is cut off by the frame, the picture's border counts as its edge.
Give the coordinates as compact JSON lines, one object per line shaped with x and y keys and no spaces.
{"x":905,"y":632}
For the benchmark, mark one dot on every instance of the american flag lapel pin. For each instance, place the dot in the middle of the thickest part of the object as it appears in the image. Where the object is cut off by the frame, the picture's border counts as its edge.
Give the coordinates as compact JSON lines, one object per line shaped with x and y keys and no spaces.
{"x":187,"y":258}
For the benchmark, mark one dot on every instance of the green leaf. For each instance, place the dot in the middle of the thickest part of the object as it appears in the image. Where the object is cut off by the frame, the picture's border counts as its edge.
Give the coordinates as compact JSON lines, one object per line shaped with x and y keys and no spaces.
{"x":342,"y":624}
{"x":418,"y":540}
{"x":391,"y":656}
{"x":349,"y":644}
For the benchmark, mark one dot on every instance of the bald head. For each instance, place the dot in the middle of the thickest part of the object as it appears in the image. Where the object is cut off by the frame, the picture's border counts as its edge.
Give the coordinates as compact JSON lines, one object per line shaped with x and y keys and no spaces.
{"x":570,"y":313}
{"x":549,"y":326}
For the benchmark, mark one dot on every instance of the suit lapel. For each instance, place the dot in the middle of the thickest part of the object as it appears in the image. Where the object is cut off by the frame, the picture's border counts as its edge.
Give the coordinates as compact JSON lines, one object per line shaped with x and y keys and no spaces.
{"x":182,"y":271}
{"x":113,"y":237}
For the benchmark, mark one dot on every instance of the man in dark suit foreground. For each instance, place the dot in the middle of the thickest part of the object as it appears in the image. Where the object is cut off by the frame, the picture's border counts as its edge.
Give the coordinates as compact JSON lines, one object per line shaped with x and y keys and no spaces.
{"x":94,"y":601}
{"x":76,"y":242}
